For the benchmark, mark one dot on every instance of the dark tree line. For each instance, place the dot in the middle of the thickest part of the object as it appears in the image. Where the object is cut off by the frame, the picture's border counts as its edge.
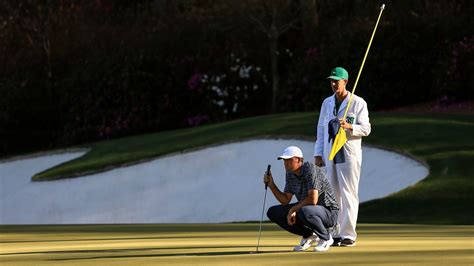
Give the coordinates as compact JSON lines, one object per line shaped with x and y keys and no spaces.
{"x":81,"y":71}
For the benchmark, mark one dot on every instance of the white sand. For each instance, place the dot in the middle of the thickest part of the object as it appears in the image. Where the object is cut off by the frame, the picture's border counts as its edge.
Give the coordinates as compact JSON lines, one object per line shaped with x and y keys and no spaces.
{"x":216,"y":184}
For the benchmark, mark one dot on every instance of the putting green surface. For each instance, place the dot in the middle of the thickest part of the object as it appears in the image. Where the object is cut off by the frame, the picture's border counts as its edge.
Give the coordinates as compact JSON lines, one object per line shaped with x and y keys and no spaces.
{"x":228,"y":244}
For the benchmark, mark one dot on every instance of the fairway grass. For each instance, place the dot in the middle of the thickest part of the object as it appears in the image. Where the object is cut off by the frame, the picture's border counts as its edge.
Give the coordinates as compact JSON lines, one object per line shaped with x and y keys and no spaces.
{"x":228,"y":244}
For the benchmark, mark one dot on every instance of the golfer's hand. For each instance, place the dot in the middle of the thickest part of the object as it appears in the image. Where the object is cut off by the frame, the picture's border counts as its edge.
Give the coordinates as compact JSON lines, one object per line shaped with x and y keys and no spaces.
{"x":291,"y":217}
{"x":268,"y":179}
{"x":345,"y":125}
{"x":318,"y":161}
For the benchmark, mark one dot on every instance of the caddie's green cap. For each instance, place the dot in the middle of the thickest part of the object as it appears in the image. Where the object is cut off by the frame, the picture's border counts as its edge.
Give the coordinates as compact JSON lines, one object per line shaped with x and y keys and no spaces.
{"x":338,"y":73}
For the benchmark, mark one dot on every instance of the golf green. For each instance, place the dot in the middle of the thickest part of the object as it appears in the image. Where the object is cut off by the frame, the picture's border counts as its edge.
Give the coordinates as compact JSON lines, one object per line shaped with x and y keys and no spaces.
{"x":227,"y":244}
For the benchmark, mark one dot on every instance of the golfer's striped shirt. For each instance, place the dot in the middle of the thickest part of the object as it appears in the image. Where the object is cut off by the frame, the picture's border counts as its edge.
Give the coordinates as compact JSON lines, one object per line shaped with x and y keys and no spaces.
{"x":311,"y":178}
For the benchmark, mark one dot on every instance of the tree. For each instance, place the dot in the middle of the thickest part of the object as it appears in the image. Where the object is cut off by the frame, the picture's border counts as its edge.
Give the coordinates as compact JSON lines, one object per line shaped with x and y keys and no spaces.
{"x":274,"y":18}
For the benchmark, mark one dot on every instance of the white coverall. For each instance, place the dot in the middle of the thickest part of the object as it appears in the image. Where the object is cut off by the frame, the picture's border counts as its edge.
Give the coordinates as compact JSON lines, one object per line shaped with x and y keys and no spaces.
{"x":344,"y":177}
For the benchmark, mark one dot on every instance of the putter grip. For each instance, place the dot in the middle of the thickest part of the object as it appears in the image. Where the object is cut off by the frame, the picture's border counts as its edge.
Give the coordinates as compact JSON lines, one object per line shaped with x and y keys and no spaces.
{"x":268,"y":171}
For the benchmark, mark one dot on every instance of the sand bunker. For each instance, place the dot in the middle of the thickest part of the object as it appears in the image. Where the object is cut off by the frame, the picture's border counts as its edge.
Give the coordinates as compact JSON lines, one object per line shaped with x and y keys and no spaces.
{"x":216,"y":184}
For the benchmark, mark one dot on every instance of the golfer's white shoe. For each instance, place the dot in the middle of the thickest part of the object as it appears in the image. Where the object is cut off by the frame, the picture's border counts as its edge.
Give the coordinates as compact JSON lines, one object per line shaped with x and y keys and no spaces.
{"x":324,"y":245}
{"x":306,"y":243}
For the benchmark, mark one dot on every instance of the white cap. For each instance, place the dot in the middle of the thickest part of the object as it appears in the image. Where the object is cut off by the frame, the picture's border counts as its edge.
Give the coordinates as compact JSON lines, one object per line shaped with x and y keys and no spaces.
{"x":291,"y":152}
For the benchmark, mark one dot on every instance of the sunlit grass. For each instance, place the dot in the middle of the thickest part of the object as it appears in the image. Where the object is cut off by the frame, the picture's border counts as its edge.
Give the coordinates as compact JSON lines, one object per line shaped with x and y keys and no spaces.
{"x":227,"y":244}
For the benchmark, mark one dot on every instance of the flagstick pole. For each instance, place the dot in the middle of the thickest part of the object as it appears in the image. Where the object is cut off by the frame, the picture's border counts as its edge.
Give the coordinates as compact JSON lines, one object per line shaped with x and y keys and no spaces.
{"x":363,"y":61}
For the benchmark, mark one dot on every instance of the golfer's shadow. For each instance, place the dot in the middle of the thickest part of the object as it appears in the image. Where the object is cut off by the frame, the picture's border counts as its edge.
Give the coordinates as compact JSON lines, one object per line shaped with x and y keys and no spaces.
{"x":216,"y":253}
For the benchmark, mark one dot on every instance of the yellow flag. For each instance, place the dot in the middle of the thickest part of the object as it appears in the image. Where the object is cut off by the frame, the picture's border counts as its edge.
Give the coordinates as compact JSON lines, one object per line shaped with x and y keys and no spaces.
{"x":339,"y":141}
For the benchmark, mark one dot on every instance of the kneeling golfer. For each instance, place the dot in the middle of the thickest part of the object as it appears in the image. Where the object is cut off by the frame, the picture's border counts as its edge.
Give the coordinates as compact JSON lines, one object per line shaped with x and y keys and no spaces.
{"x":316,"y":210}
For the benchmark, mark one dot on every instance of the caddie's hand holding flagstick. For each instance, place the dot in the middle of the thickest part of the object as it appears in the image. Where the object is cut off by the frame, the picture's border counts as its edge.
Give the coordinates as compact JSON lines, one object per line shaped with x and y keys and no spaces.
{"x":341,"y":137}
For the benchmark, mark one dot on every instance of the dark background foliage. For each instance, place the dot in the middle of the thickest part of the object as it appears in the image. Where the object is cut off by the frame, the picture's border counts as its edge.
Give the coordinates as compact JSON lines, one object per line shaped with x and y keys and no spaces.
{"x":80,"y":71}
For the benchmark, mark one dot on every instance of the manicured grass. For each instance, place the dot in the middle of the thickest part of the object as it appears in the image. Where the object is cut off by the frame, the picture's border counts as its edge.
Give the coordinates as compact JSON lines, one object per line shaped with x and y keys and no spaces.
{"x":446,"y":195}
{"x":228,"y":244}
{"x":442,"y":141}
{"x":108,"y":154}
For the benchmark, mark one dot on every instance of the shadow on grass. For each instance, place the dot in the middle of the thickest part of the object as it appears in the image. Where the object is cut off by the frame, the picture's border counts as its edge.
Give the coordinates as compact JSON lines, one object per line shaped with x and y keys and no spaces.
{"x":218,"y":253}
{"x":147,"y":249}
{"x":418,"y":256}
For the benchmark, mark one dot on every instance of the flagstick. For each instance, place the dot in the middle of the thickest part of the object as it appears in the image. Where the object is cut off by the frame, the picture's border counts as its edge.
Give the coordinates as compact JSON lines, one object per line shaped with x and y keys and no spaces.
{"x":363,"y":61}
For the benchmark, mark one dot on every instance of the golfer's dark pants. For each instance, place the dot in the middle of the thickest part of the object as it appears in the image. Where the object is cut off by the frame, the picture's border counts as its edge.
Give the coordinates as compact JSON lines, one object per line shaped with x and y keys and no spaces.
{"x":309,"y":219}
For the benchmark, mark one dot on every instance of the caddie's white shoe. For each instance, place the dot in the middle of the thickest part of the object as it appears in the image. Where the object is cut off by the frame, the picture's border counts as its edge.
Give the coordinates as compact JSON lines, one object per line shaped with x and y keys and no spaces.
{"x":306,"y":243}
{"x":324,"y":245}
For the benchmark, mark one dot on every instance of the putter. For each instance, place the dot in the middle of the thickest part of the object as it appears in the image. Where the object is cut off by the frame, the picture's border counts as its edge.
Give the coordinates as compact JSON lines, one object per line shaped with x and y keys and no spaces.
{"x":263,"y":209}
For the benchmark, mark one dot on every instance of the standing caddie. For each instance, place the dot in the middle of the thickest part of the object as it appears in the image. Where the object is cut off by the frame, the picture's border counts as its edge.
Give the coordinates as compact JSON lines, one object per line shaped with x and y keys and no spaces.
{"x":344,"y":170}
{"x":316,"y":210}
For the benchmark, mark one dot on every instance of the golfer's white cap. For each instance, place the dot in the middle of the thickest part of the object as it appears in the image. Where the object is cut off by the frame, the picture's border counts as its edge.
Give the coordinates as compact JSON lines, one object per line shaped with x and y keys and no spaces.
{"x":291,"y":152}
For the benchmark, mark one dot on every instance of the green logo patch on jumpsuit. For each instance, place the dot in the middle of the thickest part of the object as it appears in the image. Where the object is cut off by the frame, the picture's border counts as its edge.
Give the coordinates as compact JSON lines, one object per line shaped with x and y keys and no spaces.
{"x":350,"y":120}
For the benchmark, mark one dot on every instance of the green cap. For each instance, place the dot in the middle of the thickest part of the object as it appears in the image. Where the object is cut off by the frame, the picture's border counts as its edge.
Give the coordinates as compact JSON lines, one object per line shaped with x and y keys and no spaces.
{"x":338,"y":73}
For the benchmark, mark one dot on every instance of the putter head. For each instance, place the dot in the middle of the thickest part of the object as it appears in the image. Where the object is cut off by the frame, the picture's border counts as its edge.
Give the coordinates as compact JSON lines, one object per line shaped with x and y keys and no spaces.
{"x":382,"y":7}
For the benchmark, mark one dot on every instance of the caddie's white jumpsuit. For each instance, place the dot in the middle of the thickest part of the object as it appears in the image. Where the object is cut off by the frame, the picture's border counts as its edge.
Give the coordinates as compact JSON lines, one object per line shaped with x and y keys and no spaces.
{"x":344,"y":177}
